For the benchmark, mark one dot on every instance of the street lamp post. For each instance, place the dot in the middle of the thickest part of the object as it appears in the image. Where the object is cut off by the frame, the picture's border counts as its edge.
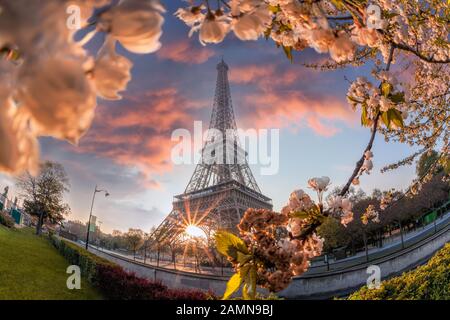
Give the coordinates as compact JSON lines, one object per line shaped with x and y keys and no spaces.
{"x":90,"y":214}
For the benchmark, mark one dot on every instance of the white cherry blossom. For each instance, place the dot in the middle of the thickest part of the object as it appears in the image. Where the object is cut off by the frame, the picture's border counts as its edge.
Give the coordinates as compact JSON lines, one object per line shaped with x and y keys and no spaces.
{"x":213,"y":30}
{"x":58,"y":97}
{"x":319,"y":184}
{"x":20,"y":150}
{"x":136,"y":24}
{"x":49,"y":94}
{"x":111,"y":72}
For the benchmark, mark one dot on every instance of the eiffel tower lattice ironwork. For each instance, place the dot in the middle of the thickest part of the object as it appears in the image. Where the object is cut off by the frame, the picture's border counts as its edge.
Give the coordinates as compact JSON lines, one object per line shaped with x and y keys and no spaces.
{"x":222,"y":186}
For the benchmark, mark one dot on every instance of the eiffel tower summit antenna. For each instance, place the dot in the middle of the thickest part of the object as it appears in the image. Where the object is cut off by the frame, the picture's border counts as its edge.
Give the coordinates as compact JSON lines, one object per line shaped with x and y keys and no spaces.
{"x":219,"y":191}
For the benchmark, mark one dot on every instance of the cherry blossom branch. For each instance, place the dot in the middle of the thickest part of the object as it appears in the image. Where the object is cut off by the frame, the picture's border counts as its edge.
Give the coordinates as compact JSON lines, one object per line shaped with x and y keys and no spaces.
{"x":359,"y":59}
{"x":417,"y":53}
{"x":358,"y":20}
{"x":410,"y":49}
{"x":339,"y":17}
{"x":225,"y":4}
{"x":313,"y":226}
{"x":360,"y":163}
{"x":310,"y":229}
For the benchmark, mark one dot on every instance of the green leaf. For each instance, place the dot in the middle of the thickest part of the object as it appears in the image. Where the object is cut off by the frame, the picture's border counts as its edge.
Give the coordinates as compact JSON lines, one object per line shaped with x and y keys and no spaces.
{"x":389,"y":15}
{"x":320,"y":217}
{"x":274,"y":9}
{"x":252,"y":282}
{"x":285,"y":27}
{"x":351,"y":98}
{"x":386,"y":88}
{"x":229,"y":245}
{"x":446,"y":163}
{"x":243,"y":258}
{"x":243,"y":271}
{"x":245,"y":293}
{"x":385,"y":118}
{"x":364,"y":120}
{"x":288,"y":53}
{"x":232,"y":285}
{"x":248,"y":274}
{"x":299,"y":214}
{"x":398,"y":97}
{"x":395,"y":117}
{"x":338,"y":4}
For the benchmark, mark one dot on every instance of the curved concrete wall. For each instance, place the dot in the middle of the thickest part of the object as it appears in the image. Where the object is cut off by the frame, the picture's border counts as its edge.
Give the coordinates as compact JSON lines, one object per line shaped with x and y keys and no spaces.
{"x":314,"y":286}
{"x":341,"y":283}
{"x":171,"y":278}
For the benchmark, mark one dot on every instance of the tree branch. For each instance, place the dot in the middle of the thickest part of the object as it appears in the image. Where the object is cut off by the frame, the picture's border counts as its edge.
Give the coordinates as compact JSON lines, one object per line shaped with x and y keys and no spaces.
{"x":340,"y":17}
{"x":418,"y":53}
{"x":360,"y":163}
{"x":313,"y":226}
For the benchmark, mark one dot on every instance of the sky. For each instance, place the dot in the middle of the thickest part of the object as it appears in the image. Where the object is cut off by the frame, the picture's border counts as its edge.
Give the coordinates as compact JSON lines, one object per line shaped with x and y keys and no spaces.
{"x":128,"y":149}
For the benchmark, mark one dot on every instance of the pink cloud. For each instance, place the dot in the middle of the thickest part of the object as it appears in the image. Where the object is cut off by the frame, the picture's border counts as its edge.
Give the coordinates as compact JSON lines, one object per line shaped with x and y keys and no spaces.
{"x":322,"y":129}
{"x":139,"y":135}
{"x":278,"y":100}
{"x":184,"y":51}
{"x":268,"y":76}
{"x":293,"y":109}
{"x":251,"y":73}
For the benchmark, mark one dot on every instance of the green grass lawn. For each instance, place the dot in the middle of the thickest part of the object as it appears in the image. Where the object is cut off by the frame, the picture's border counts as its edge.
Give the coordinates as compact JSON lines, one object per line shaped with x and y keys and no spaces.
{"x":31,"y":268}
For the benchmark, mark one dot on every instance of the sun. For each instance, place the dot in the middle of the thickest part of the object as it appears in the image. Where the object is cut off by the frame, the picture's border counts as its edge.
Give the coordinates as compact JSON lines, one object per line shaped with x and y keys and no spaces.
{"x":194,"y":231}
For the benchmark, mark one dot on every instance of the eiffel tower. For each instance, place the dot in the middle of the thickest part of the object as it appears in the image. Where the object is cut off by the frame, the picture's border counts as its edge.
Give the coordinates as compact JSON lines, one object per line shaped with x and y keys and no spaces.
{"x":220,"y":190}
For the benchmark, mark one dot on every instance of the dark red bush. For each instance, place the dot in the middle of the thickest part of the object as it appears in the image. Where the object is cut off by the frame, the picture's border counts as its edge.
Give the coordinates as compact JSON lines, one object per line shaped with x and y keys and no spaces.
{"x":117,"y":284}
{"x":184,"y":294}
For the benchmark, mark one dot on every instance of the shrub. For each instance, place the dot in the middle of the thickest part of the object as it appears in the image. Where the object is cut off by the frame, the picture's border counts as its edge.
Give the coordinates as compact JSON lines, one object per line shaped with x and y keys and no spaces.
{"x":121,"y":285}
{"x":6,"y":220}
{"x":84,"y":259}
{"x":117,"y":284}
{"x":428,"y":282}
{"x":185,"y":294}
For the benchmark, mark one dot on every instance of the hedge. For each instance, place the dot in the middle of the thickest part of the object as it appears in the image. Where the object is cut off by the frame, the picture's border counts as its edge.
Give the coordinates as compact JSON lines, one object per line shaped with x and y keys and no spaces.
{"x":6,"y":220}
{"x":115,"y":283}
{"x":428,"y":282}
